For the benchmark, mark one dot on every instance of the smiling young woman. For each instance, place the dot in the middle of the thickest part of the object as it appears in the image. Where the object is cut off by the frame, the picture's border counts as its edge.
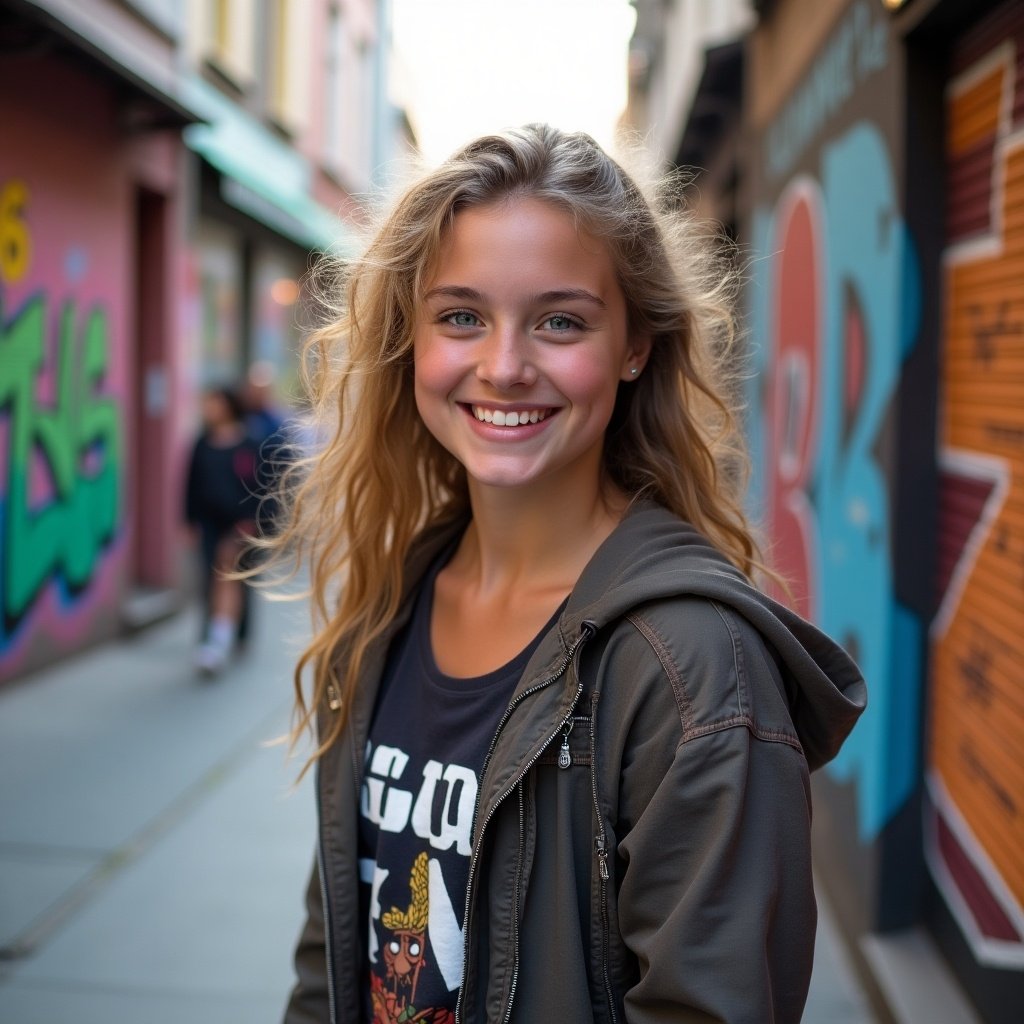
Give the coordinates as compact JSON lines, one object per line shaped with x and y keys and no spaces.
{"x":561,"y":735}
{"x":518,"y":382}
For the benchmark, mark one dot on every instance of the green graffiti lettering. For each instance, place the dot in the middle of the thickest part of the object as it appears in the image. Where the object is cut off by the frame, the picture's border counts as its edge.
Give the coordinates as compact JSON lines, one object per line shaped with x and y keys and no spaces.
{"x":77,"y":437}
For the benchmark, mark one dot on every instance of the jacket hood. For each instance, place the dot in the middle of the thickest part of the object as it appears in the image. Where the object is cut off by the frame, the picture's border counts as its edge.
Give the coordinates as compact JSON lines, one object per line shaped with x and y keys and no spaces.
{"x":653,"y":555}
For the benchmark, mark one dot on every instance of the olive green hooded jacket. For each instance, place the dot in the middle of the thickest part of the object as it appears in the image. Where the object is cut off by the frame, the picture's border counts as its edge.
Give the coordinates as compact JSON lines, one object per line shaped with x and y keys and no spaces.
{"x":660,"y":872}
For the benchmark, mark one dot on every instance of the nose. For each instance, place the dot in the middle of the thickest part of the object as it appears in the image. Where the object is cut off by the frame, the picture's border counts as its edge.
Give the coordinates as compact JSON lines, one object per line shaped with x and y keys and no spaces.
{"x":504,"y":358}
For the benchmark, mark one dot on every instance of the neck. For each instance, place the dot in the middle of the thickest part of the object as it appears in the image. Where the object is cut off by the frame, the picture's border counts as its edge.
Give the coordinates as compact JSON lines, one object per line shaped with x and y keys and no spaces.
{"x":537,"y":538}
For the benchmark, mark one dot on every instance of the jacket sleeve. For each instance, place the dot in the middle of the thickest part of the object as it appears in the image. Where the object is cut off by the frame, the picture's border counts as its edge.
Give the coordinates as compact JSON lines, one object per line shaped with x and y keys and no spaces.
{"x":716,"y":899}
{"x":710,"y":820}
{"x":309,"y":1002}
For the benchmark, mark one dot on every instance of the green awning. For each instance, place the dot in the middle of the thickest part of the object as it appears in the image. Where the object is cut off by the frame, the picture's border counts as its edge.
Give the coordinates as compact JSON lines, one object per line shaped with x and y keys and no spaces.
{"x":261,"y":176}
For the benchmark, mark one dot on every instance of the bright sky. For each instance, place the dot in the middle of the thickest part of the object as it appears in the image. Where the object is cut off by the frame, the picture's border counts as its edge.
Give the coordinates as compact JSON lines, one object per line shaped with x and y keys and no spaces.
{"x":472,"y":66}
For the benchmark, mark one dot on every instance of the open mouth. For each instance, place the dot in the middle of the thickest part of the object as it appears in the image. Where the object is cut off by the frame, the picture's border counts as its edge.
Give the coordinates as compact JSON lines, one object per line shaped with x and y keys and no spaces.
{"x":509,"y":417}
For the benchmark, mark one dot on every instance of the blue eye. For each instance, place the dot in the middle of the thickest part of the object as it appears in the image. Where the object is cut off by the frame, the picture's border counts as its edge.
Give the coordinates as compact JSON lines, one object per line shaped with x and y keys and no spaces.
{"x":461,"y":318}
{"x":560,"y":322}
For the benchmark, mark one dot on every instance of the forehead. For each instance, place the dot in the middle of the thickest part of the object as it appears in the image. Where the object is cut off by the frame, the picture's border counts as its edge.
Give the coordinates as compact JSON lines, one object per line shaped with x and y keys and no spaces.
{"x":522,"y":245}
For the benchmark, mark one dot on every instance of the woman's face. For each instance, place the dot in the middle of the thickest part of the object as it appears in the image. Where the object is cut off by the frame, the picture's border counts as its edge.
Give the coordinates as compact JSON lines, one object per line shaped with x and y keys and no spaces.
{"x":215,"y":410}
{"x":521,"y":343}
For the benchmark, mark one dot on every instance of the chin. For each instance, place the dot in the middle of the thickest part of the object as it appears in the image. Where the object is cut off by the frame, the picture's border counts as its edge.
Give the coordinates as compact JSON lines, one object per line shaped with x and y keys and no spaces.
{"x":502,"y":481}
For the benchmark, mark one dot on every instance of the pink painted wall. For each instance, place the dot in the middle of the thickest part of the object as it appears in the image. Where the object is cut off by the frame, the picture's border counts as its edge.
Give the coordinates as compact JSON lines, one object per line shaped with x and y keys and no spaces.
{"x":67,"y":373}
{"x":164,"y":362}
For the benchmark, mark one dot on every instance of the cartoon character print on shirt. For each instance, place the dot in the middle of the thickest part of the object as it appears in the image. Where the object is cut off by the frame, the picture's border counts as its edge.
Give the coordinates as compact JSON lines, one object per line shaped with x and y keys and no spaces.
{"x":393,"y":997}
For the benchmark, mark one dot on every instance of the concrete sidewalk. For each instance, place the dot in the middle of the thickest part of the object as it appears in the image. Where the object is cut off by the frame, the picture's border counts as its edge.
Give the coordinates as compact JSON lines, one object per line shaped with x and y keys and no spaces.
{"x":153,"y":855}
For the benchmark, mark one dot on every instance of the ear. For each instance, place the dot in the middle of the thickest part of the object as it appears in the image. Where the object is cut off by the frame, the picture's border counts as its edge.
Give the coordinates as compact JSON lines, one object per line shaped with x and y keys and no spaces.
{"x":636,"y":357}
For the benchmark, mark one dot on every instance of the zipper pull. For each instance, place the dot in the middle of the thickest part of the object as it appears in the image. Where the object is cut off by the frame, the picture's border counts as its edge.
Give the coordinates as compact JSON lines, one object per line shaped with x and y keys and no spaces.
{"x":333,"y":697}
{"x":564,"y":757}
{"x":602,"y":858}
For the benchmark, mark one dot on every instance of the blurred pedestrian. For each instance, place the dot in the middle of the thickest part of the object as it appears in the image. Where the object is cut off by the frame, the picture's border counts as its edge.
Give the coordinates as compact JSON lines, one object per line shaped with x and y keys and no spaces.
{"x":276,"y":436}
{"x":263,"y":417}
{"x":221,"y":504}
{"x":564,"y":743}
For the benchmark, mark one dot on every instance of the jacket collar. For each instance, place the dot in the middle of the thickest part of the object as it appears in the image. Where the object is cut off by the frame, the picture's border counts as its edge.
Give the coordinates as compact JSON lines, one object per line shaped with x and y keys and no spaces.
{"x":653,"y":555}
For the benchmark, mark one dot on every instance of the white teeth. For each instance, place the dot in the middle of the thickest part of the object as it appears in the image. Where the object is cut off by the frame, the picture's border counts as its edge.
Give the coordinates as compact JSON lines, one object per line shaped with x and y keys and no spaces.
{"x":509,"y":418}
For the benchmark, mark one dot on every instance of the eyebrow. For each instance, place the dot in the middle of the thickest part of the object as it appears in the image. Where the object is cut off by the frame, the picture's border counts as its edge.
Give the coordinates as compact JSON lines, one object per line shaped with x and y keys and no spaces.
{"x":454,"y":291}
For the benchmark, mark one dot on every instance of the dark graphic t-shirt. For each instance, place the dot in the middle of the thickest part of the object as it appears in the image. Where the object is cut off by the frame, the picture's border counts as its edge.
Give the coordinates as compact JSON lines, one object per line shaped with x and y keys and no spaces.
{"x":427,"y":743}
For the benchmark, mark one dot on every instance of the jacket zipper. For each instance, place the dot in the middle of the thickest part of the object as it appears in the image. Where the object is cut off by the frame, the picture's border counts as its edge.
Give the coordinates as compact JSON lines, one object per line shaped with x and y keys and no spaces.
{"x":515,"y":909}
{"x":587,"y":630}
{"x":601,"y":846}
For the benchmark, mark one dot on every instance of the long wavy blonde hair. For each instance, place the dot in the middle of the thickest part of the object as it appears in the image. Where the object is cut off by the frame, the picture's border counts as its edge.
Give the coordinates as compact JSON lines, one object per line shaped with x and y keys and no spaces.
{"x":381,"y":478}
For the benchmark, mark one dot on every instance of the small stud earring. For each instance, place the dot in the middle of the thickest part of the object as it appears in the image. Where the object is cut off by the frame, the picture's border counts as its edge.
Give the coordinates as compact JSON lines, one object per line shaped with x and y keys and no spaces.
{"x":634,"y":371}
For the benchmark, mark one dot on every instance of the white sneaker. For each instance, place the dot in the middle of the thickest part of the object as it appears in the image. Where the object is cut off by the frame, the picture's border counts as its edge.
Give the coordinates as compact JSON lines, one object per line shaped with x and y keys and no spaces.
{"x":211,"y":659}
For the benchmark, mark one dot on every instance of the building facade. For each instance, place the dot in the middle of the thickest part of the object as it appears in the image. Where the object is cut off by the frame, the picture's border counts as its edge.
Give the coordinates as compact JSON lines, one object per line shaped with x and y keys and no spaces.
{"x":880,"y":160}
{"x":288,"y":94}
{"x":686,"y":96}
{"x":92,"y":206}
{"x":885,"y":174}
{"x":170,"y":169}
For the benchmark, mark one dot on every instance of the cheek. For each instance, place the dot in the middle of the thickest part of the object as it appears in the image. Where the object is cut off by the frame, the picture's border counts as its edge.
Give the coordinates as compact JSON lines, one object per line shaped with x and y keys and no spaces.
{"x":589,"y":381}
{"x":436,"y":370}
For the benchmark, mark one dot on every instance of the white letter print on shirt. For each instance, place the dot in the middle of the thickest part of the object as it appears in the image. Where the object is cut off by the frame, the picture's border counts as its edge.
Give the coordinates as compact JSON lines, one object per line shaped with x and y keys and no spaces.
{"x":374,"y":877}
{"x":445,"y":930}
{"x":384,"y":805}
{"x":454,"y":778}
{"x":388,"y":806}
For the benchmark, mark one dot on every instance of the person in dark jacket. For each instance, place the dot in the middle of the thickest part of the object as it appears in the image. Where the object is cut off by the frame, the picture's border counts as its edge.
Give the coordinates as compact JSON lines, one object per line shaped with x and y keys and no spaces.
{"x":563,"y":740}
{"x":277,"y":438}
{"x":221,"y":504}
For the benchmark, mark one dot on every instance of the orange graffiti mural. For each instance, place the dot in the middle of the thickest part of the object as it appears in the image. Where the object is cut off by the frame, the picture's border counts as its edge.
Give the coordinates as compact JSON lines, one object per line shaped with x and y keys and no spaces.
{"x":977,"y":696}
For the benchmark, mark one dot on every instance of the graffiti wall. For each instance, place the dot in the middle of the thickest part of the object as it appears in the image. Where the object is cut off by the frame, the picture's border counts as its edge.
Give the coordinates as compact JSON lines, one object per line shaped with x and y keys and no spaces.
{"x":63,"y":269}
{"x":976,"y":701}
{"x":834,"y":312}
